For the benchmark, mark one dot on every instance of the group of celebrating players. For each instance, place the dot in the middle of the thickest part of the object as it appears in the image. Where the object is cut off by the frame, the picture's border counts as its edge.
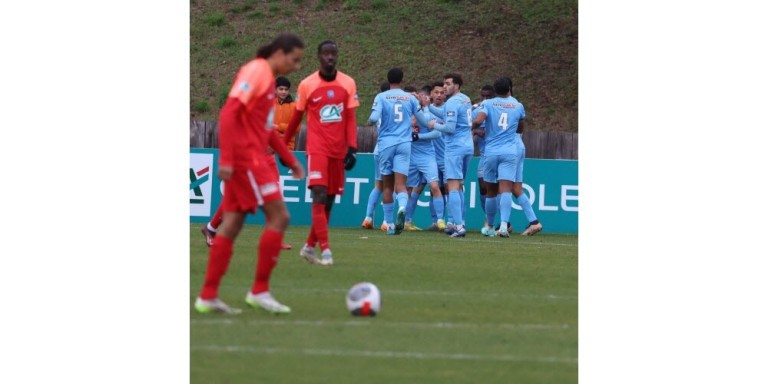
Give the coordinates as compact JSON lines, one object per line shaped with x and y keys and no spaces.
{"x":427,"y":137}
{"x":424,"y":137}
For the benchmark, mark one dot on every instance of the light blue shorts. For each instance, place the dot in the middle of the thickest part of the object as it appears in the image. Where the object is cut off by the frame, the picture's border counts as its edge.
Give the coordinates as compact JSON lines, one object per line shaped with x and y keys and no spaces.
{"x":456,"y":166}
{"x":501,"y":167}
{"x":520,"y":161}
{"x":423,"y":170}
{"x":376,"y":170}
{"x":395,"y":159}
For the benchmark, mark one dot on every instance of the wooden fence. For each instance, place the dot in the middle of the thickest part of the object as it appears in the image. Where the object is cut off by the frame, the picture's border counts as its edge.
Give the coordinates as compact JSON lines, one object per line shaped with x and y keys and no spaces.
{"x":538,"y":144}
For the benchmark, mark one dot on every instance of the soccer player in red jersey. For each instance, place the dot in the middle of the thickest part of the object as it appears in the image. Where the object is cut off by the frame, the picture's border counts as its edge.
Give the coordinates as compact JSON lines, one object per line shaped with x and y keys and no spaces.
{"x":329,"y":97}
{"x":245,"y":132}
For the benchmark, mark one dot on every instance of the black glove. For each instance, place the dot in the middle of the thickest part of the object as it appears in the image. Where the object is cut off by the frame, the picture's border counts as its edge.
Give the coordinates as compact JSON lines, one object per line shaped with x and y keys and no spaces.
{"x":350,"y":159}
{"x":415,"y":136}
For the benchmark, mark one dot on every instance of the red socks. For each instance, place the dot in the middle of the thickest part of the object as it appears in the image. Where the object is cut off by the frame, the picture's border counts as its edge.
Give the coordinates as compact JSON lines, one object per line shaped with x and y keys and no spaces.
{"x":218,"y":261}
{"x":269,"y":251}
{"x":319,"y":230}
{"x":217,"y":218}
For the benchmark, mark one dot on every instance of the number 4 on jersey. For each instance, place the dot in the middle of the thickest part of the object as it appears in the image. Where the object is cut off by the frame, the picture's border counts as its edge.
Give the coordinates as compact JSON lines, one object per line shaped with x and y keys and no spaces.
{"x":503,"y":121}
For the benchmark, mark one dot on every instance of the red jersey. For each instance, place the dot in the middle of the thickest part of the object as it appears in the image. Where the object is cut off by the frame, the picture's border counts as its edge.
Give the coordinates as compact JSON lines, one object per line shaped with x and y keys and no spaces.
{"x":330,"y":107}
{"x":243,"y":141}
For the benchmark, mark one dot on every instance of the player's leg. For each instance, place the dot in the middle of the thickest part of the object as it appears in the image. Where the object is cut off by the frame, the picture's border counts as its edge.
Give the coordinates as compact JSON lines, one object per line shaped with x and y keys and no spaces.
{"x":269,"y":252}
{"x":492,"y":190}
{"x":456,"y":170}
{"x":534,"y":226}
{"x":219,"y":257}
{"x":413,"y":191}
{"x":432,"y":177}
{"x":335,"y":188}
{"x":386,"y":158}
{"x":465,"y":168}
{"x":209,"y":229}
{"x":317,"y":169}
{"x":243,"y":196}
{"x":437,"y":202}
{"x":413,"y":201}
{"x":506,"y":174}
{"x":400,"y":165}
{"x":373,"y":197}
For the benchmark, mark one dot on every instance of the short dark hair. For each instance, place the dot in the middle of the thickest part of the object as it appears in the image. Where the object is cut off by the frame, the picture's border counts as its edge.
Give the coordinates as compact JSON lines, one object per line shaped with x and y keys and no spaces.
{"x":286,"y":42}
{"x":282,"y":82}
{"x":502,"y":86}
{"x":487,"y":87}
{"x":320,"y":46}
{"x":437,"y":84}
{"x":456,"y":78}
{"x":427,"y":88}
{"x":395,"y":76}
{"x":409,"y":88}
{"x":384,"y":86}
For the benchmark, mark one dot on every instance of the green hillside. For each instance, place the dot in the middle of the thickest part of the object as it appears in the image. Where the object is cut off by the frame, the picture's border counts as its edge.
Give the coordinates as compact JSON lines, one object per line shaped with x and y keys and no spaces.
{"x":535,"y":42}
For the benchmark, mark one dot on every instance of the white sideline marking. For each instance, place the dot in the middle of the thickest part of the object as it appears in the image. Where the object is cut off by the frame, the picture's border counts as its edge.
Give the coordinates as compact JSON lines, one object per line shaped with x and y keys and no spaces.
{"x":431,"y":293}
{"x":384,"y":354}
{"x":322,"y":323}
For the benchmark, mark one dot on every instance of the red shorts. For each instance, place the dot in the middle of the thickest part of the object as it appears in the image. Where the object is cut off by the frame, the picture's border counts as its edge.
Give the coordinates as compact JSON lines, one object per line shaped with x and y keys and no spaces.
{"x":250,"y":188}
{"x":327,"y":172}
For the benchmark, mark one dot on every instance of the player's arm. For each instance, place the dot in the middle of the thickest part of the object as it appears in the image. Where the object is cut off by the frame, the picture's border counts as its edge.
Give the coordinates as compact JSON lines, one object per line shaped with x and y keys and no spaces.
{"x":451,"y":114}
{"x":420,"y":115}
{"x":293,"y":126}
{"x":436,"y":111}
{"x":431,"y":135}
{"x":351,"y":127}
{"x":351,"y":124}
{"x":375,"y":111}
{"x":479,"y":120}
{"x":230,"y":130}
{"x":298,"y":113}
{"x":521,"y":122}
{"x":285,"y":154}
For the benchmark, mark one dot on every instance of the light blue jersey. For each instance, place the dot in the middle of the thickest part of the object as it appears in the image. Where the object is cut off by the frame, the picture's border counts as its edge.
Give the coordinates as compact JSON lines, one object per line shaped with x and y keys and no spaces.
{"x":423,"y":168}
{"x":423,"y":147}
{"x":502,"y":117}
{"x":439,"y":143}
{"x":457,"y":127}
{"x":394,"y":109}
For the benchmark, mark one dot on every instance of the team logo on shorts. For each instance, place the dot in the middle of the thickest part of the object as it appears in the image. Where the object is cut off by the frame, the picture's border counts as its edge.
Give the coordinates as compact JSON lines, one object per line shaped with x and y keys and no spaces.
{"x":315,"y":175}
{"x":331,"y":113}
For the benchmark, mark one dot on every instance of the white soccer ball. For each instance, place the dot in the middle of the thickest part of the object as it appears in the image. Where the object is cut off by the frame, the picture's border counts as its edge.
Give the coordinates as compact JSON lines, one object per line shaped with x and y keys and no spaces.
{"x":364,"y":299}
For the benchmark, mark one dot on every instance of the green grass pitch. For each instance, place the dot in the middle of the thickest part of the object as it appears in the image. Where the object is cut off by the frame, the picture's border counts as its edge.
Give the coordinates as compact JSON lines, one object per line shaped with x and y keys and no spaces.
{"x":472,"y":310}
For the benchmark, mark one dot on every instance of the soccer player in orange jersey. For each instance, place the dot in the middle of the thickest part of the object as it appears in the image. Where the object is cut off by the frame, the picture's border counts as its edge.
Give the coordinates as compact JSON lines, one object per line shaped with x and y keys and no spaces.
{"x":245,"y":133}
{"x":329,"y":97}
